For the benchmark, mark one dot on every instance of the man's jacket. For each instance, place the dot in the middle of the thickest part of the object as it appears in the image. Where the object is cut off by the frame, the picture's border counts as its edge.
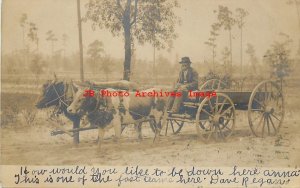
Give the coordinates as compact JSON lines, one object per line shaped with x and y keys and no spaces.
{"x":191,"y":80}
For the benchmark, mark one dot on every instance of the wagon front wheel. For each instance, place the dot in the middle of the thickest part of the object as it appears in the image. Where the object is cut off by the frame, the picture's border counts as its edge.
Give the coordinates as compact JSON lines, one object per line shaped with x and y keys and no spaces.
{"x":266,"y":109}
{"x":174,"y":125}
{"x":215,"y":118}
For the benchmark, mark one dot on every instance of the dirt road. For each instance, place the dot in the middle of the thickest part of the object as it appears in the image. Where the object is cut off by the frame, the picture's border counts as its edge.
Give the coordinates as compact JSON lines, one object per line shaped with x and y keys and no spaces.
{"x":35,"y":146}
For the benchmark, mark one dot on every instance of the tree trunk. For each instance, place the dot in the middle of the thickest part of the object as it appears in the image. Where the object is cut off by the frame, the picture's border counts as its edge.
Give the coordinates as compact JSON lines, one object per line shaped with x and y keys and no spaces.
{"x":213,"y":60}
{"x":37,"y":45}
{"x":298,"y":14}
{"x":127,"y":36}
{"x":80,"y":41}
{"x":23,"y":37}
{"x":241,"y":50}
{"x":153,"y":66}
{"x":230,"y":51}
{"x":52,"y":48}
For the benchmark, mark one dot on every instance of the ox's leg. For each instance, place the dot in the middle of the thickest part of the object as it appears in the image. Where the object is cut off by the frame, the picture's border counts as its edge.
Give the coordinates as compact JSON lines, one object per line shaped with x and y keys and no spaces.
{"x":138,"y":129}
{"x":101,"y":133}
{"x":76,"y":124}
{"x":117,"y":127}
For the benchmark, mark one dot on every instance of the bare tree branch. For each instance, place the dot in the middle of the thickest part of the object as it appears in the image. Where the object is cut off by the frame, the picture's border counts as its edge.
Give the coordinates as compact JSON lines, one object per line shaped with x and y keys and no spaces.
{"x":121,"y":10}
{"x":135,"y":12}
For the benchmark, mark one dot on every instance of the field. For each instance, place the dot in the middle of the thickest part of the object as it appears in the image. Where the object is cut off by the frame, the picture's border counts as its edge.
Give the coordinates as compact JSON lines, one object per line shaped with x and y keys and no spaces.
{"x":26,"y":139}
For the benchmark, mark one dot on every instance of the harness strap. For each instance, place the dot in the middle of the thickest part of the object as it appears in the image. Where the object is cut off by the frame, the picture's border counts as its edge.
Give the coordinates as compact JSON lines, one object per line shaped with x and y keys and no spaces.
{"x":59,"y":97}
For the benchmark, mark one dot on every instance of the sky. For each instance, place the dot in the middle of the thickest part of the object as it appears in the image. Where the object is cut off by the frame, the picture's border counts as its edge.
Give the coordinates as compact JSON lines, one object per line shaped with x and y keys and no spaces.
{"x":266,"y":19}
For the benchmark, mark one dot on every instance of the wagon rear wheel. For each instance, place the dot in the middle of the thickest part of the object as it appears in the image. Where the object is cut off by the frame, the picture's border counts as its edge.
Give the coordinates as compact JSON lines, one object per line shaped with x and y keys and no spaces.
{"x":215,"y":118}
{"x":266,"y":109}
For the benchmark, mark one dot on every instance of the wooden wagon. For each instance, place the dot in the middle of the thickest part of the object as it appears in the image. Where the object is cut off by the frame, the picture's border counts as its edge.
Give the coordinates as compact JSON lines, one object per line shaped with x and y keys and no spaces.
{"x":215,"y":117}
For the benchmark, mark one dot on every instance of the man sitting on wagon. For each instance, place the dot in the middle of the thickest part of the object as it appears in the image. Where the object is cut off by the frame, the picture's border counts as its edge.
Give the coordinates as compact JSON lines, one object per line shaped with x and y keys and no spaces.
{"x":188,"y":80}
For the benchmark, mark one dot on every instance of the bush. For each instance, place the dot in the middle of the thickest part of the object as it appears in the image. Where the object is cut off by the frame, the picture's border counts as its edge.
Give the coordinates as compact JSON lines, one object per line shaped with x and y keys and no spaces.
{"x":29,"y":116}
{"x":14,"y":104}
{"x":8,"y":117}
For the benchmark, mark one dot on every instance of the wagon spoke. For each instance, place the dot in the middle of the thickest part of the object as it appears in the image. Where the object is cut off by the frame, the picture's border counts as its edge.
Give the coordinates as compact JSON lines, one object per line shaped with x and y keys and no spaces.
{"x":259,"y":102}
{"x":180,"y":125}
{"x":228,"y":118}
{"x":256,"y":118}
{"x":212,"y":130}
{"x":210,"y":105}
{"x":278,"y":113}
{"x":176,"y":122}
{"x":223,"y":103}
{"x":222,"y":114}
{"x":221,"y":133}
{"x":275,"y":117}
{"x":172,"y":126}
{"x":273,"y":124}
{"x":202,"y":125}
{"x":206,"y":112}
{"x":263,"y":128}
{"x":227,"y":127}
{"x":267,"y":120}
{"x":260,"y":121}
{"x":167,"y":126}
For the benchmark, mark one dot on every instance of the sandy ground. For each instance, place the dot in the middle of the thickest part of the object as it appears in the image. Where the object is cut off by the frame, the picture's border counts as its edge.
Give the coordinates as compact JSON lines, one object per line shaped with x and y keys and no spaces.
{"x":33,"y":145}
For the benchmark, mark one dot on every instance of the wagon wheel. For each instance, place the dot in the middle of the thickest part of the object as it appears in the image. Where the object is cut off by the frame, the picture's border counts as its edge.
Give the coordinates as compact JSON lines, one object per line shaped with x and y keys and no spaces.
{"x":164,"y":122}
{"x":216,"y":117}
{"x":175,"y":125}
{"x":155,"y":126}
{"x":213,"y":84}
{"x":266,"y":109}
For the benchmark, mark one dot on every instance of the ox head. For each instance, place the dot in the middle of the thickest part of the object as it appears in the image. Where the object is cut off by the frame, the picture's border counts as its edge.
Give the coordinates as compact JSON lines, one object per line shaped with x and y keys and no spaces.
{"x":50,"y":94}
{"x":82,"y":104}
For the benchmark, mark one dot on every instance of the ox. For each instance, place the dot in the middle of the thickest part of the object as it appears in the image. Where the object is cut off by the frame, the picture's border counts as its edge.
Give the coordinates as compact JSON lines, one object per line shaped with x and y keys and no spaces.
{"x":106,"y":112}
{"x":59,"y":94}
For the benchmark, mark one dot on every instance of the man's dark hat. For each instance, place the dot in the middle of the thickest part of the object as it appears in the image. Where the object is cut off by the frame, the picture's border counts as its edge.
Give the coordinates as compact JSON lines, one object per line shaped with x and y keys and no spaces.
{"x":185,"y":60}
